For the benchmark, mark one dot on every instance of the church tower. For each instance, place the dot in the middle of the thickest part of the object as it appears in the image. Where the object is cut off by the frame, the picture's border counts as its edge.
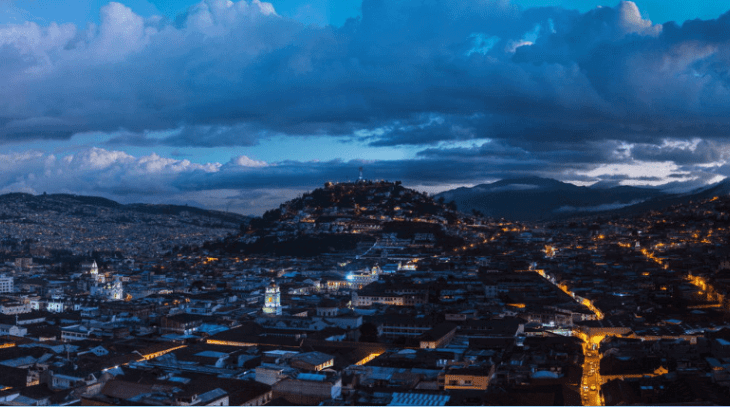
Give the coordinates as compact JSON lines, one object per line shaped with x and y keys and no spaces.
{"x":117,"y":290}
{"x":272,"y":300}
{"x":99,"y":278}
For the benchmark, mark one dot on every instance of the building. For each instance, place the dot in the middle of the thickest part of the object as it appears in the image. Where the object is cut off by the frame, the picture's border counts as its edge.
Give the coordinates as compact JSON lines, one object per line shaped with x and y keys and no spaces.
{"x":181,"y":324}
{"x":94,"y":272}
{"x":55,"y":305}
{"x":312,"y":361}
{"x":327,"y":308}
{"x":491,"y":291}
{"x":116,"y":292}
{"x":469,"y":378}
{"x":12,"y":307}
{"x":23,"y":263}
{"x":269,"y":373}
{"x":75,"y":333}
{"x":6,"y":284}
{"x":439,"y":336}
{"x":12,"y":330}
{"x":272,"y":299}
{"x":403,"y":295}
{"x":309,"y":388}
{"x":364,"y":277}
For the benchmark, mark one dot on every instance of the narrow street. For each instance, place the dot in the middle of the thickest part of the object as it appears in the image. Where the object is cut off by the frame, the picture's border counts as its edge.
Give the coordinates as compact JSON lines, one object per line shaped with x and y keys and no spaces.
{"x":590,"y":388}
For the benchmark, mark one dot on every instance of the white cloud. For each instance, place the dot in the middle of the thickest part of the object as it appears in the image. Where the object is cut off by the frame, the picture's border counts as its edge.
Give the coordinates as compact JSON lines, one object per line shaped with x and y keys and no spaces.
{"x":120,"y":33}
{"x":597,"y":208}
{"x":93,"y":171}
{"x":97,"y":159}
{"x":244,"y":161}
{"x":634,"y":170}
{"x":630,"y":20}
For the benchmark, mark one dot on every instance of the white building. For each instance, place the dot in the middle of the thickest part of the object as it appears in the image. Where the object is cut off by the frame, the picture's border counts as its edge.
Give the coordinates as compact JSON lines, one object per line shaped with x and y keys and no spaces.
{"x":55,"y":305}
{"x":75,"y":333}
{"x":14,"y":307}
{"x":12,"y":330}
{"x":6,"y":284}
{"x":94,"y":272}
{"x":272,"y":299}
{"x":117,"y":290}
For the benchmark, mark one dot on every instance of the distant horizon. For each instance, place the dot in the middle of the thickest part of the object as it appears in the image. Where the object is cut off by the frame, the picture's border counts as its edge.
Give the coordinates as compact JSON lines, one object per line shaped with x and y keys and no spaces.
{"x":431,"y":191}
{"x":242,"y":105}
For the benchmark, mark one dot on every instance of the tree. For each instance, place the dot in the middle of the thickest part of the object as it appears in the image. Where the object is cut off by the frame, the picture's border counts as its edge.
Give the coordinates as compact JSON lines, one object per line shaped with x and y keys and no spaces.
{"x":272,"y":215}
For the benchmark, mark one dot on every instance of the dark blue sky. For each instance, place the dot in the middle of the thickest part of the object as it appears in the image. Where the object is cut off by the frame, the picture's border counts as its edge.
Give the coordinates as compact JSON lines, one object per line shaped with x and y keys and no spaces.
{"x":243,"y":104}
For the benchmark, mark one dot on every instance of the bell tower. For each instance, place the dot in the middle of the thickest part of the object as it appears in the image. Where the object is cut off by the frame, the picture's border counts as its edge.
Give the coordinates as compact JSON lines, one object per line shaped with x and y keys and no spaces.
{"x":272,"y":300}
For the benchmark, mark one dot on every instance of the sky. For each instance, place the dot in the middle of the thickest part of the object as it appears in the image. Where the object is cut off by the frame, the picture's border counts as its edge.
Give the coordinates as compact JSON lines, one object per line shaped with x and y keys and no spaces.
{"x":241,"y":105}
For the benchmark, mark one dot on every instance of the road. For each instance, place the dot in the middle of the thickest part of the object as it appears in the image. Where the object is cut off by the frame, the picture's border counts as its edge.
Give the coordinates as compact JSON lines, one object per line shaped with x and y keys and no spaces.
{"x":590,"y":387}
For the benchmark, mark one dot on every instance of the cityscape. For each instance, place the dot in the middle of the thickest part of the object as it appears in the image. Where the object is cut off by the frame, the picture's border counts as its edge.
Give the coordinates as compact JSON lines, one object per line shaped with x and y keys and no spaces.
{"x":368,"y":293}
{"x":364,"y":203}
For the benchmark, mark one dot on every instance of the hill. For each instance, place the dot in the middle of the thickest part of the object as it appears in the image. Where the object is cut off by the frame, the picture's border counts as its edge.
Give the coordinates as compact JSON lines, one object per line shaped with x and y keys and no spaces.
{"x":721,"y":189}
{"x":45,"y":225}
{"x":533,"y":198}
{"x":341,"y":217}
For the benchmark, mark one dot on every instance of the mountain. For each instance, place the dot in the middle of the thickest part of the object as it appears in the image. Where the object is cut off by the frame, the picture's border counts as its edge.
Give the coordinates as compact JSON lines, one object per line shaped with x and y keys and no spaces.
{"x":45,"y":225}
{"x":534,"y":198}
{"x":658,"y":203}
{"x":80,"y":205}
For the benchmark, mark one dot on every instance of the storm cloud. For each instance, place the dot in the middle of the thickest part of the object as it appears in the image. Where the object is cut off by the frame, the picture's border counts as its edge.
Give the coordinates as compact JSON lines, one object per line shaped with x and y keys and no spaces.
{"x":483,"y":89}
{"x":607,"y":73}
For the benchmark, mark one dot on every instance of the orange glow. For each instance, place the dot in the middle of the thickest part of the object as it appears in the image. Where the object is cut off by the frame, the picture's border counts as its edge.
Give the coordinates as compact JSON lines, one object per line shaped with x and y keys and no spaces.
{"x":368,"y":358}
{"x":157,"y":354}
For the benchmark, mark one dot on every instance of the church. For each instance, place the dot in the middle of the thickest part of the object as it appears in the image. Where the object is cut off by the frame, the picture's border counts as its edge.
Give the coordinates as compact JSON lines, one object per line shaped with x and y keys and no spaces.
{"x":272,"y":300}
{"x":103,"y":287}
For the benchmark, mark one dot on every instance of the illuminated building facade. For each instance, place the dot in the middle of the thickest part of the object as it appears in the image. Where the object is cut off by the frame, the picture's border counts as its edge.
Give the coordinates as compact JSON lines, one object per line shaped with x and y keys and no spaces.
{"x":272,"y":299}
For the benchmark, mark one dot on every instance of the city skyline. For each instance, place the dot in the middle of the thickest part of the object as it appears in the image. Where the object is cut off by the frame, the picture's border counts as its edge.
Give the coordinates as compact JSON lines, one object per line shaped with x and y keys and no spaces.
{"x":242,"y":105}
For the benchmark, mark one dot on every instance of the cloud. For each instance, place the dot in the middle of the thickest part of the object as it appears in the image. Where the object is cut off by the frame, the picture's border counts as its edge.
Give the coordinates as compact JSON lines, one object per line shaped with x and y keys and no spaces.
{"x":541,"y":91}
{"x":192,"y":136}
{"x":696,"y":151}
{"x":252,"y":186}
{"x":94,"y":171}
{"x":597,"y":208}
{"x":228,"y":65}
{"x":244,"y":161}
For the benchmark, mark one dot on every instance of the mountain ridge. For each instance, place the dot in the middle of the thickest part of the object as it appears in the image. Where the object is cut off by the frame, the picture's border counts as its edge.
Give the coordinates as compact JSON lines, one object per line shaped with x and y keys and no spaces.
{"x":62,"y":200}
{"x":536,"y":199}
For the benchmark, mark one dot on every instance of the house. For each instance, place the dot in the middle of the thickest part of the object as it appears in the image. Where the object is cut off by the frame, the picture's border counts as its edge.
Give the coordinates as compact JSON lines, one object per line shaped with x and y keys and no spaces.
{"x":468,"y":378}
{"x":309,"y":388}
{"x":312,"y":361}
{"x":439,"y":336}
